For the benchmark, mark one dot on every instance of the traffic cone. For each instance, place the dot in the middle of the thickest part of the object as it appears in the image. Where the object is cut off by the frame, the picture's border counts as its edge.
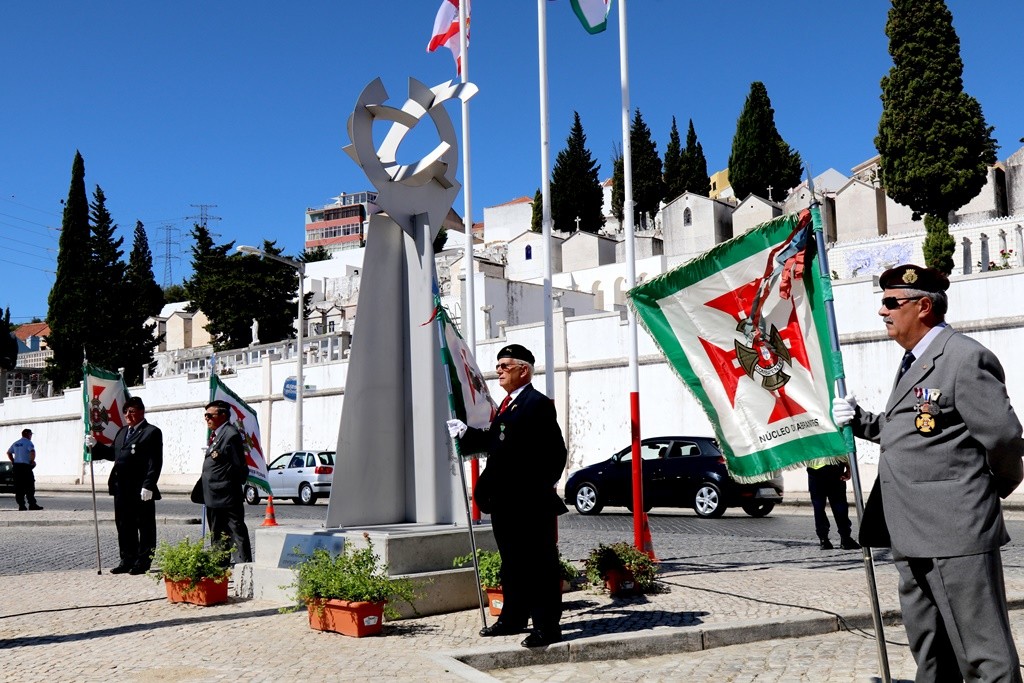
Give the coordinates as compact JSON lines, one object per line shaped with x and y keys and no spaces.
{"x":648,"y":542}
{"x":269,"y":519}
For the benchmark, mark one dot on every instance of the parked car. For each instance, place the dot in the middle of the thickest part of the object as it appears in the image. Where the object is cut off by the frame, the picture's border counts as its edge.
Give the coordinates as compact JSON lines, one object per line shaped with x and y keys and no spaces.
{"x":6,"y":476}
{"x":302,"y":476}
{"x":678,"y":471}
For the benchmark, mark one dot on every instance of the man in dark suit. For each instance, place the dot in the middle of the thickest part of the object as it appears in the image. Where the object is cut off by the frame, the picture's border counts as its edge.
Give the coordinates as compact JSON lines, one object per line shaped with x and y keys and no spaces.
{"x":138,"y":455}
{"x":224,"y":473}
{"x":525,"y":458}
{"x":950,"y":447}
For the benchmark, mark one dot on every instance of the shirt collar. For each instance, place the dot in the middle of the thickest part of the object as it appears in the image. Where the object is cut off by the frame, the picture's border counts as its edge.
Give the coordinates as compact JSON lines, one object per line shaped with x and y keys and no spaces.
{"x":926,"y":341}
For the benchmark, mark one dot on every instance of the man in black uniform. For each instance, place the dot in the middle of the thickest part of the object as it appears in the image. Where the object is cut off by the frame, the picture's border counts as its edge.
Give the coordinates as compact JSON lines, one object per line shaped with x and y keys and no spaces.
{"x":224,"y":475}
{"x":525,"y":457}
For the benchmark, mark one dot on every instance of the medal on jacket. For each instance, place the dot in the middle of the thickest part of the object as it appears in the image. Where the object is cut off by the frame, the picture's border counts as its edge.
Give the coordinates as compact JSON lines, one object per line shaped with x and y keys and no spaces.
{"x":133,"y":449}
{"x":501,"y":428}
{"x":927,"y":409}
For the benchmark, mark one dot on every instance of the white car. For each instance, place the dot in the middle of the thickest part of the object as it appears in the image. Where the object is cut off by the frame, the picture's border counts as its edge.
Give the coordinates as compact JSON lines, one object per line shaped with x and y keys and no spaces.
{"x":302,"y":476}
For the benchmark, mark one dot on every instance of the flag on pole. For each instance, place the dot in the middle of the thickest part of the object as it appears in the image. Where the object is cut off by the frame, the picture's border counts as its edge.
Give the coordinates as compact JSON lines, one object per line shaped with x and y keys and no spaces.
{"x":744,"y":327}
{"x":593,"y":14}
{"x":103,"y":397}
{"x":446,"y":30}
{"x":244,"y":419}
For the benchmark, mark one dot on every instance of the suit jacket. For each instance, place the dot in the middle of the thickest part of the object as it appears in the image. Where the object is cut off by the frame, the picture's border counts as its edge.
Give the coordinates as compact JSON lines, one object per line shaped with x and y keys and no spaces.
{"x":526,"y":457}
{"x":225,"y":469}
{"x":137,"y":461}
{"x":937,"y":493}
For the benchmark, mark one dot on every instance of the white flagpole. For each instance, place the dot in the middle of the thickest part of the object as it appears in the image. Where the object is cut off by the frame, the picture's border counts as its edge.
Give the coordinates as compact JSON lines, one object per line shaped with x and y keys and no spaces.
{"x":545,"y":193}
{"x":634,"y":367}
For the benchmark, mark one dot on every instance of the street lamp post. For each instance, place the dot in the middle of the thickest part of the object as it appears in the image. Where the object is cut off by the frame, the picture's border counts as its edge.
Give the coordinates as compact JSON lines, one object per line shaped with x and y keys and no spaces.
{"x":300,"y":356}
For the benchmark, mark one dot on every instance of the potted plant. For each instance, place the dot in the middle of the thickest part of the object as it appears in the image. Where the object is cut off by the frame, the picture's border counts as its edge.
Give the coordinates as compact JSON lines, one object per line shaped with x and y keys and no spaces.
{"x":569,"y":574}
{"x":348,"y":593}
{"x":623,"y":569}
{"x":490,"y":576}
{"x":194,"y":571}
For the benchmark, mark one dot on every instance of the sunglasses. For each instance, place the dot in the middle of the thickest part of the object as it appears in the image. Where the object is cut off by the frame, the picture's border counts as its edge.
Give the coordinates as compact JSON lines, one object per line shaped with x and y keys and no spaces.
{"x":504,"y":367}
{"x":891,"y":303}
{"x":209,"y":416}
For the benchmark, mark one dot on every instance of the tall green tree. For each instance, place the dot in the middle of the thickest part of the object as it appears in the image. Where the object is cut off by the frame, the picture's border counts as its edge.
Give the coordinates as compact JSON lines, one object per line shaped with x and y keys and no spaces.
{"x":211,"y":287}
{"x":934,"y":145}
{"x":107,"y":310}
{"x":575,"y":186}
{"x":146,"y":299}
{"x":618,"y":184}
{"x":648,"y":186}
{"x":72,"y":292}
{"x":537,"y":212}
{"x":675,"y":184}
{"x":175,"y":293}
{"x":695,"y":166}
{"x":760,"y":158}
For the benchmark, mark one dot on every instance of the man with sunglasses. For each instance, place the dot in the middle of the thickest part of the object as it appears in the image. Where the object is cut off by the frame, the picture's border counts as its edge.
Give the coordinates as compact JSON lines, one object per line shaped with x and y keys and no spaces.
{"x":224,"y":474}
{"x":138,"y":455}
{"x":950,"y":448}
{"x":525,"y":458}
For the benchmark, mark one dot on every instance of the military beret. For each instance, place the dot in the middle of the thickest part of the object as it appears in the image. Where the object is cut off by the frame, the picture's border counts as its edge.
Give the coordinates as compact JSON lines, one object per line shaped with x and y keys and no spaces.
{"x":134,"y":402}
{"x":909,"y":276}
{"x":516,"y":351}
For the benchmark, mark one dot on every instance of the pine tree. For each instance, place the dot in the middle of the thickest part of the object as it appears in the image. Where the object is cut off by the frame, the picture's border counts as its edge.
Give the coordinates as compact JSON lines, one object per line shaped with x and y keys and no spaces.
{"x":675,"y":183}
{"x":695,"y":166}
{"x":934,"y":145}
{"x":320,"y":253}
{"x":575,"y":186}
{"x":71,"y":292}
{"x":537,"y":212}
{"x":107,"y":312}
{"x":210,"y":287}
{"x":146,"y":299}
{"x":760,"y":158}
{"x":648,"y":187}
{"x":618,"y":185}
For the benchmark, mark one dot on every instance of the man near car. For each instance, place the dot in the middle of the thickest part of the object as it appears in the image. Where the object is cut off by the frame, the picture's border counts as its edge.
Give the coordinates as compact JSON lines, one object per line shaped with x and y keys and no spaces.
{"x":525,"y":458}
{"x":950,"y":448}
{"x":22,"y":455}
{"x":827,"y":485}
{"x":138,"y":455}
{"x":224,"y":474}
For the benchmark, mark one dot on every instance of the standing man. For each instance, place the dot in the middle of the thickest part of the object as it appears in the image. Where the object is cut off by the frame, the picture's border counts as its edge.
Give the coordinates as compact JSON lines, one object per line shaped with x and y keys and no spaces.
{"x":224,"y":475}
{"x":827,"y":485}
{"x":138,"y":455}
{"x":22,"y":454}
{"x":525,"y":457}
{"x":950,"y":448}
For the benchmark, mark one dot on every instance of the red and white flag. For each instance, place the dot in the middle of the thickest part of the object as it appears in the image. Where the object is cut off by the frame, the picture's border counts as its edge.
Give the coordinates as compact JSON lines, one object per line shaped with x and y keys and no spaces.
{"x":103,"y":397}
{"x":446,"y":30}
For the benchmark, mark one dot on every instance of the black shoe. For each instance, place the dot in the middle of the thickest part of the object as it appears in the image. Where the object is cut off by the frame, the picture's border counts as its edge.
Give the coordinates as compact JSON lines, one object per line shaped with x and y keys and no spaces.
{"x":499,"y":629}
{"x":847,"y":543}
{"x":139,"y":569}
{"x":826,"y":544}
{"x":35,"y":507}
{"x":540,"y":638}
{"x":22,"y":508}
{"x":121,"y":569}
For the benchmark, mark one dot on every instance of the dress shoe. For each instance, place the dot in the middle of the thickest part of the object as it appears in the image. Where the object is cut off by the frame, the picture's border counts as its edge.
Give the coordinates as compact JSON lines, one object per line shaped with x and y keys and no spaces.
{"x":826,"y":544}
{"x":847,"y":543}
{"x":139,"y":569}
{"x":539,"y":638}
{"x":499,"y":629}
{"x":121,"y":569}
{"x":22,"y":508}
{"x":35,"y":507}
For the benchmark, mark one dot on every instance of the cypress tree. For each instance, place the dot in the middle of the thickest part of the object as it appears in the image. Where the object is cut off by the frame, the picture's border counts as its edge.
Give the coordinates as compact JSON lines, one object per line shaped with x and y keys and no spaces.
{"x":934,"y":145}
{"x":695,"y":166}
{"x":146,"y":299}
{"x":618,"y":185}
{"x":648,"y":187}
{"x":675,"y":183}
{"x":537,"y":212}
{"x":575,"y":185}
{"x":760,"y":157}
{"x":108,"y":307}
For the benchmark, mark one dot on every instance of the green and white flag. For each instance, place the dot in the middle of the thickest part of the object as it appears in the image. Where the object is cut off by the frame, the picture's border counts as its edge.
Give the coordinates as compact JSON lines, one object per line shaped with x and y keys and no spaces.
{"x":593,"y":14}
{"x":103,"y":396}
{"x":244,"y":419}
{"x":744,"y":327}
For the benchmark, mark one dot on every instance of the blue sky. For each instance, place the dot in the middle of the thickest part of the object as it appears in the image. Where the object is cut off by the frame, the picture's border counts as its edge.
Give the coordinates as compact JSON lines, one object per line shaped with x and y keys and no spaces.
{"x":243,"y":105}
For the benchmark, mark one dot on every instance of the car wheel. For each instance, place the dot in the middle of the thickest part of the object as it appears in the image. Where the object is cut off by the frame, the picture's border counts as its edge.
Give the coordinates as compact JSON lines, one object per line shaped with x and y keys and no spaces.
{"x":647,"y":506}
{"x":252,"y":496}
{"x":587,"y":501}
{"x":707,"y":501}
{"x":758,"y":509}
{"x":306,"y":496}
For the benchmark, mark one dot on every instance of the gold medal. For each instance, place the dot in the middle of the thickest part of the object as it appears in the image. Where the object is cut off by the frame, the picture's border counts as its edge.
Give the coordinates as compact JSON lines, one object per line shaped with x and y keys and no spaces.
{"x":924,"y":422}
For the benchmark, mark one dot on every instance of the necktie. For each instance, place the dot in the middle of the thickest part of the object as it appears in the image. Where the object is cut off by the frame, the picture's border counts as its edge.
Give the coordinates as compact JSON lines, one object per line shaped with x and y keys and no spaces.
{"x":908,"y":360}
{"x":504,"y":404}
{"x":210,"y":441}
{"x":131,"y":433}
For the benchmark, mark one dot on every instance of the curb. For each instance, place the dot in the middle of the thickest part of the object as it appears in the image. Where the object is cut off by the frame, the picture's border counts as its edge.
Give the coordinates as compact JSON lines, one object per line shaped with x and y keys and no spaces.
{"x":91,"y":522}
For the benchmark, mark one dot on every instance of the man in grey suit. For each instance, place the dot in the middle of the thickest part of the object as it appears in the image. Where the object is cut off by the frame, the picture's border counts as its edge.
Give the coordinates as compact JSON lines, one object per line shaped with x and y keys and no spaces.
{"x":950,"y":447}
{"x":224,"y":473}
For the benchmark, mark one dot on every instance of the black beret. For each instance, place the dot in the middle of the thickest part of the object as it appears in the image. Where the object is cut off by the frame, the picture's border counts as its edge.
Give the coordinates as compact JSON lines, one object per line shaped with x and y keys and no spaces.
{"x":909,"y":276}
{"x":134,"y":402}
{"x":516,"y":351}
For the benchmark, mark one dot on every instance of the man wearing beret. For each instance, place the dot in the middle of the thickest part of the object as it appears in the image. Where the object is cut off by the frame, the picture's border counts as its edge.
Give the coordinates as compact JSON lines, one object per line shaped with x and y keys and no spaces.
{"x":525,"y":458}
{"x":950,"y":448}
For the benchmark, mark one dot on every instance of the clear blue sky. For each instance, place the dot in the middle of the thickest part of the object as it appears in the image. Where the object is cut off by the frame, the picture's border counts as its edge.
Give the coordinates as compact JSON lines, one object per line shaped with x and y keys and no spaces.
{"x":243,"y":104}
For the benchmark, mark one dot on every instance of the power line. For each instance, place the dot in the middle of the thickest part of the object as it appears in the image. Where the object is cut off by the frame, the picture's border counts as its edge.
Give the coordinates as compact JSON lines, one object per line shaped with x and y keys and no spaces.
{"x":204,"y":216}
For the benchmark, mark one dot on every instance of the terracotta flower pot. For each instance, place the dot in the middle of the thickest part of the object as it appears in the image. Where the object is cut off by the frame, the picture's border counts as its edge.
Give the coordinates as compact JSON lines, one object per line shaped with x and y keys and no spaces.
{"x":495,"y":601}
{"x":206,"y":591}
{"x":356,"y":619}
{"x":620,"y":583}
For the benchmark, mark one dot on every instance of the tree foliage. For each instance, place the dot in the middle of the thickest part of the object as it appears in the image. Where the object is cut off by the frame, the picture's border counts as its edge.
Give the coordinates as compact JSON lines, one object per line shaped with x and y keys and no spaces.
{"x":320,"y":253}
{"x":175,"y":293}
{"x":934,"y":145}
{"x":618,"y":185}
{"x":107,"y":307}
{"x":537,"y":212}
{"x":146,"y":300}
{"x":575,"y":186}
{"x":760,"y":158}
{"x":673,"y":174}
{"x":648,"y":186}
{"x":695,"y":166}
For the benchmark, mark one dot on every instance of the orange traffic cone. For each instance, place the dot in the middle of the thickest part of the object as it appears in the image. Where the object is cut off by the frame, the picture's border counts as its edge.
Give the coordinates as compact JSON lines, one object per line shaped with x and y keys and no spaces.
{"x":648,"y":542}
{"x":269,"y":519}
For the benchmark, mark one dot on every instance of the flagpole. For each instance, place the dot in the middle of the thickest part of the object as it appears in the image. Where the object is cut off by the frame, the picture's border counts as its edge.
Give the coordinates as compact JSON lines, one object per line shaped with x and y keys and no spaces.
{"x":858,"y":496}
{"x":88,"y":449}
{"x":545,"y":193}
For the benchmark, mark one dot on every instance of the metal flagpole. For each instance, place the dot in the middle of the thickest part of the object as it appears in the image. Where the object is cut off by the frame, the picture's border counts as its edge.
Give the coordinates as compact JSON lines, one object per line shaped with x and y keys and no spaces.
{"x":545,"y":193}
{"x":92,"y":474}
{"x":858,"y":496}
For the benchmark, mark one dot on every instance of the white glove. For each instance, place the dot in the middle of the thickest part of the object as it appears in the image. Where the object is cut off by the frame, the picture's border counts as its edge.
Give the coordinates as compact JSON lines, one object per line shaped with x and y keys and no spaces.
{"x":147,"y":495}
{"x":843,"y":409}
{"x":90,"y":440}
{"x":457,"y":428}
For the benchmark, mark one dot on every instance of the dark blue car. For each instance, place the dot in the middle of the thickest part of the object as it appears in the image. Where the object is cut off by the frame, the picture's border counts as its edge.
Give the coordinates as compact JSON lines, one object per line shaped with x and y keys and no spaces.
{"x":679,"y":471}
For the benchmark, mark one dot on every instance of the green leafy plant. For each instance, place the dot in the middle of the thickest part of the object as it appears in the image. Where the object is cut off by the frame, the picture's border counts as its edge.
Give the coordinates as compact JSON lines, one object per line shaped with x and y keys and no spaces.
{"x":191,"y":561}
{"x":490,"y":566}
{"x":356,"y":575}
{"x":619,"y":556}
{"x":568,"y":570}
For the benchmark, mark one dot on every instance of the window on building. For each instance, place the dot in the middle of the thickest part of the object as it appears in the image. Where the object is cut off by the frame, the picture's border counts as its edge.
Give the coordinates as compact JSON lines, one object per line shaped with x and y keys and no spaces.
{"x":687,"y":216}
{"x":529,"y":252}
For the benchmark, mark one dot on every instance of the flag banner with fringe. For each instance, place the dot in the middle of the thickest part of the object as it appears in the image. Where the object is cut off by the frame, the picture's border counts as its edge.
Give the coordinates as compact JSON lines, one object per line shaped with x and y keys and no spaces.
{"x":244,"y":419}
{"x":103,"y":396}
{"x":744,"y":326}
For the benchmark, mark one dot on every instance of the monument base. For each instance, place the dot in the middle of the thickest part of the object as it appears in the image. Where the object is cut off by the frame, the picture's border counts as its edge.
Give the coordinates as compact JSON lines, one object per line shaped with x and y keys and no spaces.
{"x":420,"y":552}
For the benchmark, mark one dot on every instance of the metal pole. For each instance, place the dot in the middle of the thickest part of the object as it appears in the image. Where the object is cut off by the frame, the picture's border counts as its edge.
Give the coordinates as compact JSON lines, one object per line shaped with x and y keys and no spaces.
{"x":95,"y":516}
{"x":545,"y":192}
{"x":300,"y":358}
